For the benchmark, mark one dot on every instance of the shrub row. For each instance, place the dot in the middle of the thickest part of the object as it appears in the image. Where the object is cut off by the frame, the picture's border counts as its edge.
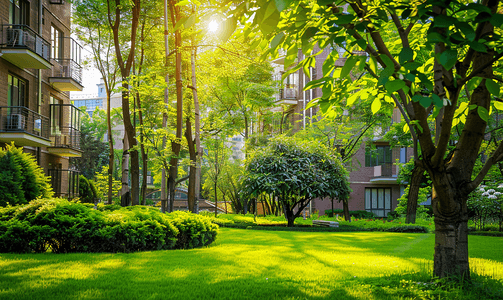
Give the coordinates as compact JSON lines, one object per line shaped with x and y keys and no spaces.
{"x":358,"y":214}
{"x":66,"y":227}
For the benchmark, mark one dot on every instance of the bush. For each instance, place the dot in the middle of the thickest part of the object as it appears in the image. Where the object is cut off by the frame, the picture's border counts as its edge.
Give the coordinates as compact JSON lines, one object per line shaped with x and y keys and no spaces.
{"x":417,"y":229}
{"x":21,"y":179}
{"x":87,"y":190}
{"x":66,"y":227}
{"x":358,"y":214}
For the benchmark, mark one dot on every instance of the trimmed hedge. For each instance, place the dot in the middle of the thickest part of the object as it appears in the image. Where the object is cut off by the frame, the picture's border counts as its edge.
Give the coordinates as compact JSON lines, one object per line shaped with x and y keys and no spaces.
{"x":66,"y":227}
{"x":358,"y":214}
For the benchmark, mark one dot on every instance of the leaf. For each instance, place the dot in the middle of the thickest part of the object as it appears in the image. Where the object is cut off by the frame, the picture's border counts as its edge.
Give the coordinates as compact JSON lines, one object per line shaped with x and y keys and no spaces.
{"x":309,"y":33}
{"x":473,"y":83}
{"x":190,"y":21}
{"x":483,"y":113}
{"x":425,"y":102}
{"x":406,"y":128}
{"x":493,"y":87}
{"x":276,"y":40}
{"x":373,"y":64}
{"x":352,"y":99}
{"x":467,"y":30}
{"x":362,"y":43}
{"x":395,"y":85}
{"x":348,"y":66}
{"x":479,"y":47}
{"x":411,"y":66}
{"x":180,"y":23}
{"x":443,"y":21}
{"x":448,"y":58}
{"x":435,"y":37}
{"x":437,"y":101}
{"x":497,"y":20}
{"x":228,"y":30}
{"x":344,"y":19}
{"x":183,"y":2}
{"x":405,"y":55}
{"x":282,"y":4}
{"x":376,"y":105}
{"x":498,"y":105}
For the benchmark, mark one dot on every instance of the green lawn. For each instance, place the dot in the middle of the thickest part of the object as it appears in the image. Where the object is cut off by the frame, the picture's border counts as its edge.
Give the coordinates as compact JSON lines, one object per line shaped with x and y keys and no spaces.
{"x":257,"y":264}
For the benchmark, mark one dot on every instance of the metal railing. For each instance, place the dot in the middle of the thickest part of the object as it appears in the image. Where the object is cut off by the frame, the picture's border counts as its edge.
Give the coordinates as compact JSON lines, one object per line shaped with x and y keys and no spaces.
{"x":67,"y":68}
{"x":22,"y":36}
{"x":65,"y":183}
{"x":386,"y":169}
{"x":20,"y":118}
{"x":288,"y":93}
{"x":65,"y":125}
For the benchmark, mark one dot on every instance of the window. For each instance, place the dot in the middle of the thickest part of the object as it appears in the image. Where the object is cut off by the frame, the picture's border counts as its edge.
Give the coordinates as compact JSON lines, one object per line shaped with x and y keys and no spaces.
{"x":19,"y":12}
{"x":378,"y":201}
{"x":56,"y":116}
{"x":57,"y":43}
{"x":379,"y":156}
{"x":16,"y":91}
{"x":403,"y":155}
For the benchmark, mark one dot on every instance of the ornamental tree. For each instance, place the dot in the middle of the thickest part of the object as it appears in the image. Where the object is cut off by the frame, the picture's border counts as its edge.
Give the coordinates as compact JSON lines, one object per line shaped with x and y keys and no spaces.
{"x":295,"y":173}
{"x":457,"y":83}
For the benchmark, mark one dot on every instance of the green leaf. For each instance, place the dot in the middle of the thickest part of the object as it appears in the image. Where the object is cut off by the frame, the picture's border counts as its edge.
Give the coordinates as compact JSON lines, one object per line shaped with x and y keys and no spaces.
{"x":467,"y":30}
{"x":436,"y":37}
{"x":190,"y":21}
{"x":405,"y":55}
{"x":309,"y":33}
{"x":276,"y":40}
{"x":483,"y":113}
{"x":362,"y":43}
{"x":373,"y":64}
{"x":376,"y":105}
{"x":493,"y":87}
{"x":473,"y":83}
{"x":497,"y":20}
{"x":282,"y":4}
{"x":479,"y":47}
{"x":411,"y":66}
{"x":437,"y":101}
{"x":425,"y":102}
{"x":344,"y":19}
{"x":416,"y":98}
{"x":180,"y":23}
{"x":348,"y":66}
{"x":498,"y":105}
{"x":410,"y":77}
{"x":228,"y":30}
{"x":395,"y":85}
{"x":448,"y":58}
{"x":443,"y":21}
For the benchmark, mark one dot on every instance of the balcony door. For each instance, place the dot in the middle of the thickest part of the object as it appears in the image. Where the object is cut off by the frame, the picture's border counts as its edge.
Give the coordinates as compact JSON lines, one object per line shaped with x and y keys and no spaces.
{"x":16,"y":91}
{"x":19,"y":12}
{"x":56,"y":116}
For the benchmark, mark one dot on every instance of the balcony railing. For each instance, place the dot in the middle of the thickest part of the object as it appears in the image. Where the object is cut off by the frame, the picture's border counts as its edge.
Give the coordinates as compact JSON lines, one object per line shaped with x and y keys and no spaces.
{"x":65,"y":126}
{"x":22,"y":119}
{"x":65,"y":183}
{"x":66,"y":137}
{"x":22,"y":36}
{"x":67,"y":68}
{"x":288,"y":93}
{"x":383,"y":170}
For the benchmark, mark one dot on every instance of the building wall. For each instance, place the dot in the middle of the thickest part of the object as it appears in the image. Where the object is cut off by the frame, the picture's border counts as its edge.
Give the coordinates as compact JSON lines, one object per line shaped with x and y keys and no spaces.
{"x":58,"y":16}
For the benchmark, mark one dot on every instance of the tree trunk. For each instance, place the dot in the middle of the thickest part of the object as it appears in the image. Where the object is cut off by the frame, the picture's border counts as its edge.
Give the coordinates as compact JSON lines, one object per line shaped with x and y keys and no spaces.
{"x":125,"y":172}
{"x":290,"y":217}
{"x":345,"y":206}
{"x":415,"y":183}
{"x":111,"y":157}
{"x":166,"y":105}
{"x":216,"y":200}
{"x":451,"y":243}
{"x":191,"y":191}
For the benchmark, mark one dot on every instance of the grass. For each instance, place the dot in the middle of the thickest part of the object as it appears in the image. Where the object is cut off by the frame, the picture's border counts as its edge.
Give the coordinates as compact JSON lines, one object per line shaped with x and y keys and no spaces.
{"x":251,"y":264}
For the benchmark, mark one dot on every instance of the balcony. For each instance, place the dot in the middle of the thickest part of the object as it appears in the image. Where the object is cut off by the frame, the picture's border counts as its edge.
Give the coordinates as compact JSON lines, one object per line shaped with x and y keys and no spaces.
{"x":66,"y":75}
{"x":23,"y":126}
{"x":384,"y":174}
{"x":65,"y":130}
{"x":287,"y":96}
{"x":65,"y":183}
{"x":24,"y":48}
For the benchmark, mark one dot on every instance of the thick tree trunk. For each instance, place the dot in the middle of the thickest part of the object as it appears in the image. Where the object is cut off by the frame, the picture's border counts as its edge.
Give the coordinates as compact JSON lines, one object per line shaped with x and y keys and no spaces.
{"x":415,"y":183}
{"x":451,"y":243}
{"x":290,"y":217}
{"x":191,"y":191}
{"x":125,"y":196}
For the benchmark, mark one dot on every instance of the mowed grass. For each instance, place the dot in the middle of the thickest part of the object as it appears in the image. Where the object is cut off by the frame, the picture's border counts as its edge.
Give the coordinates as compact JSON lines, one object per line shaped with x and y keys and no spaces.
{"x":258,"y":264}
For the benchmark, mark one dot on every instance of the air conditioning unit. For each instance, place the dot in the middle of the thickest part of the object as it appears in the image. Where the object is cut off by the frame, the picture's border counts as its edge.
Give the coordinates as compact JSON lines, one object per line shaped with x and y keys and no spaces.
{"x":15,"y":122}
{"x":15,"y":37}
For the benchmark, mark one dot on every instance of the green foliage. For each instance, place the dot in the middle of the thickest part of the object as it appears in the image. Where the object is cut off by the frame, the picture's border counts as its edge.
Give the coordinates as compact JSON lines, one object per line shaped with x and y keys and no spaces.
{"x":66,"y":227}
{"x":21,"y":179}
{"x":422,"y":211}
{"x":358,"y":214}
{"x":101,"y":184}
{"x":87,"y":190}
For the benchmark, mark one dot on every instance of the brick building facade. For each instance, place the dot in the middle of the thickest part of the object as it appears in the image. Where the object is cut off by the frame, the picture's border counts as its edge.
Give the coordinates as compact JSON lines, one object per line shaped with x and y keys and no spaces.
{"x":39,"y":66}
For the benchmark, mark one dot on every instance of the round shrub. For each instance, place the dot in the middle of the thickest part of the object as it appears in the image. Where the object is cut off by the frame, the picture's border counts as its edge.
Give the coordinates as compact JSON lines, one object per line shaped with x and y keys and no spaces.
{"x":21,"y":179}
{"x":67,"y":227}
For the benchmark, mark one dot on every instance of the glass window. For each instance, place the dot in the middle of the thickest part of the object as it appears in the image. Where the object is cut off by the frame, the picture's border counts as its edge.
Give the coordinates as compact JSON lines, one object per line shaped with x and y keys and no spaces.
{"x":57,"y":43}
{"x":379,"y":156}
{"x":378,"y":201}
{"x":19,"y":11}
{"x":56,"y":116}
{"x":16,"y":91}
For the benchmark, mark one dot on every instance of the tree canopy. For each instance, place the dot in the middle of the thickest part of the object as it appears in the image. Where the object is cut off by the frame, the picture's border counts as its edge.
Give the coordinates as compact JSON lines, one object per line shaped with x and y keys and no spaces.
{"x":295,"y":173}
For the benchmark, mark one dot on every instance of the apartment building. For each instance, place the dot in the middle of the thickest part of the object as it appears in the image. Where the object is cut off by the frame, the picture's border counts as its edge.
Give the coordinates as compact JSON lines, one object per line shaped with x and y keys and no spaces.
{"x":39,"y":66}
{"x":373,"y":173}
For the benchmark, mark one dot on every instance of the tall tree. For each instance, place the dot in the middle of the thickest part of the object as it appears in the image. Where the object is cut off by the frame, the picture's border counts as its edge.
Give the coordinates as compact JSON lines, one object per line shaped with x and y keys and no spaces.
{"x":123,"y":18}
{"x":93,"y":32}
{"x":457,"y":84}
